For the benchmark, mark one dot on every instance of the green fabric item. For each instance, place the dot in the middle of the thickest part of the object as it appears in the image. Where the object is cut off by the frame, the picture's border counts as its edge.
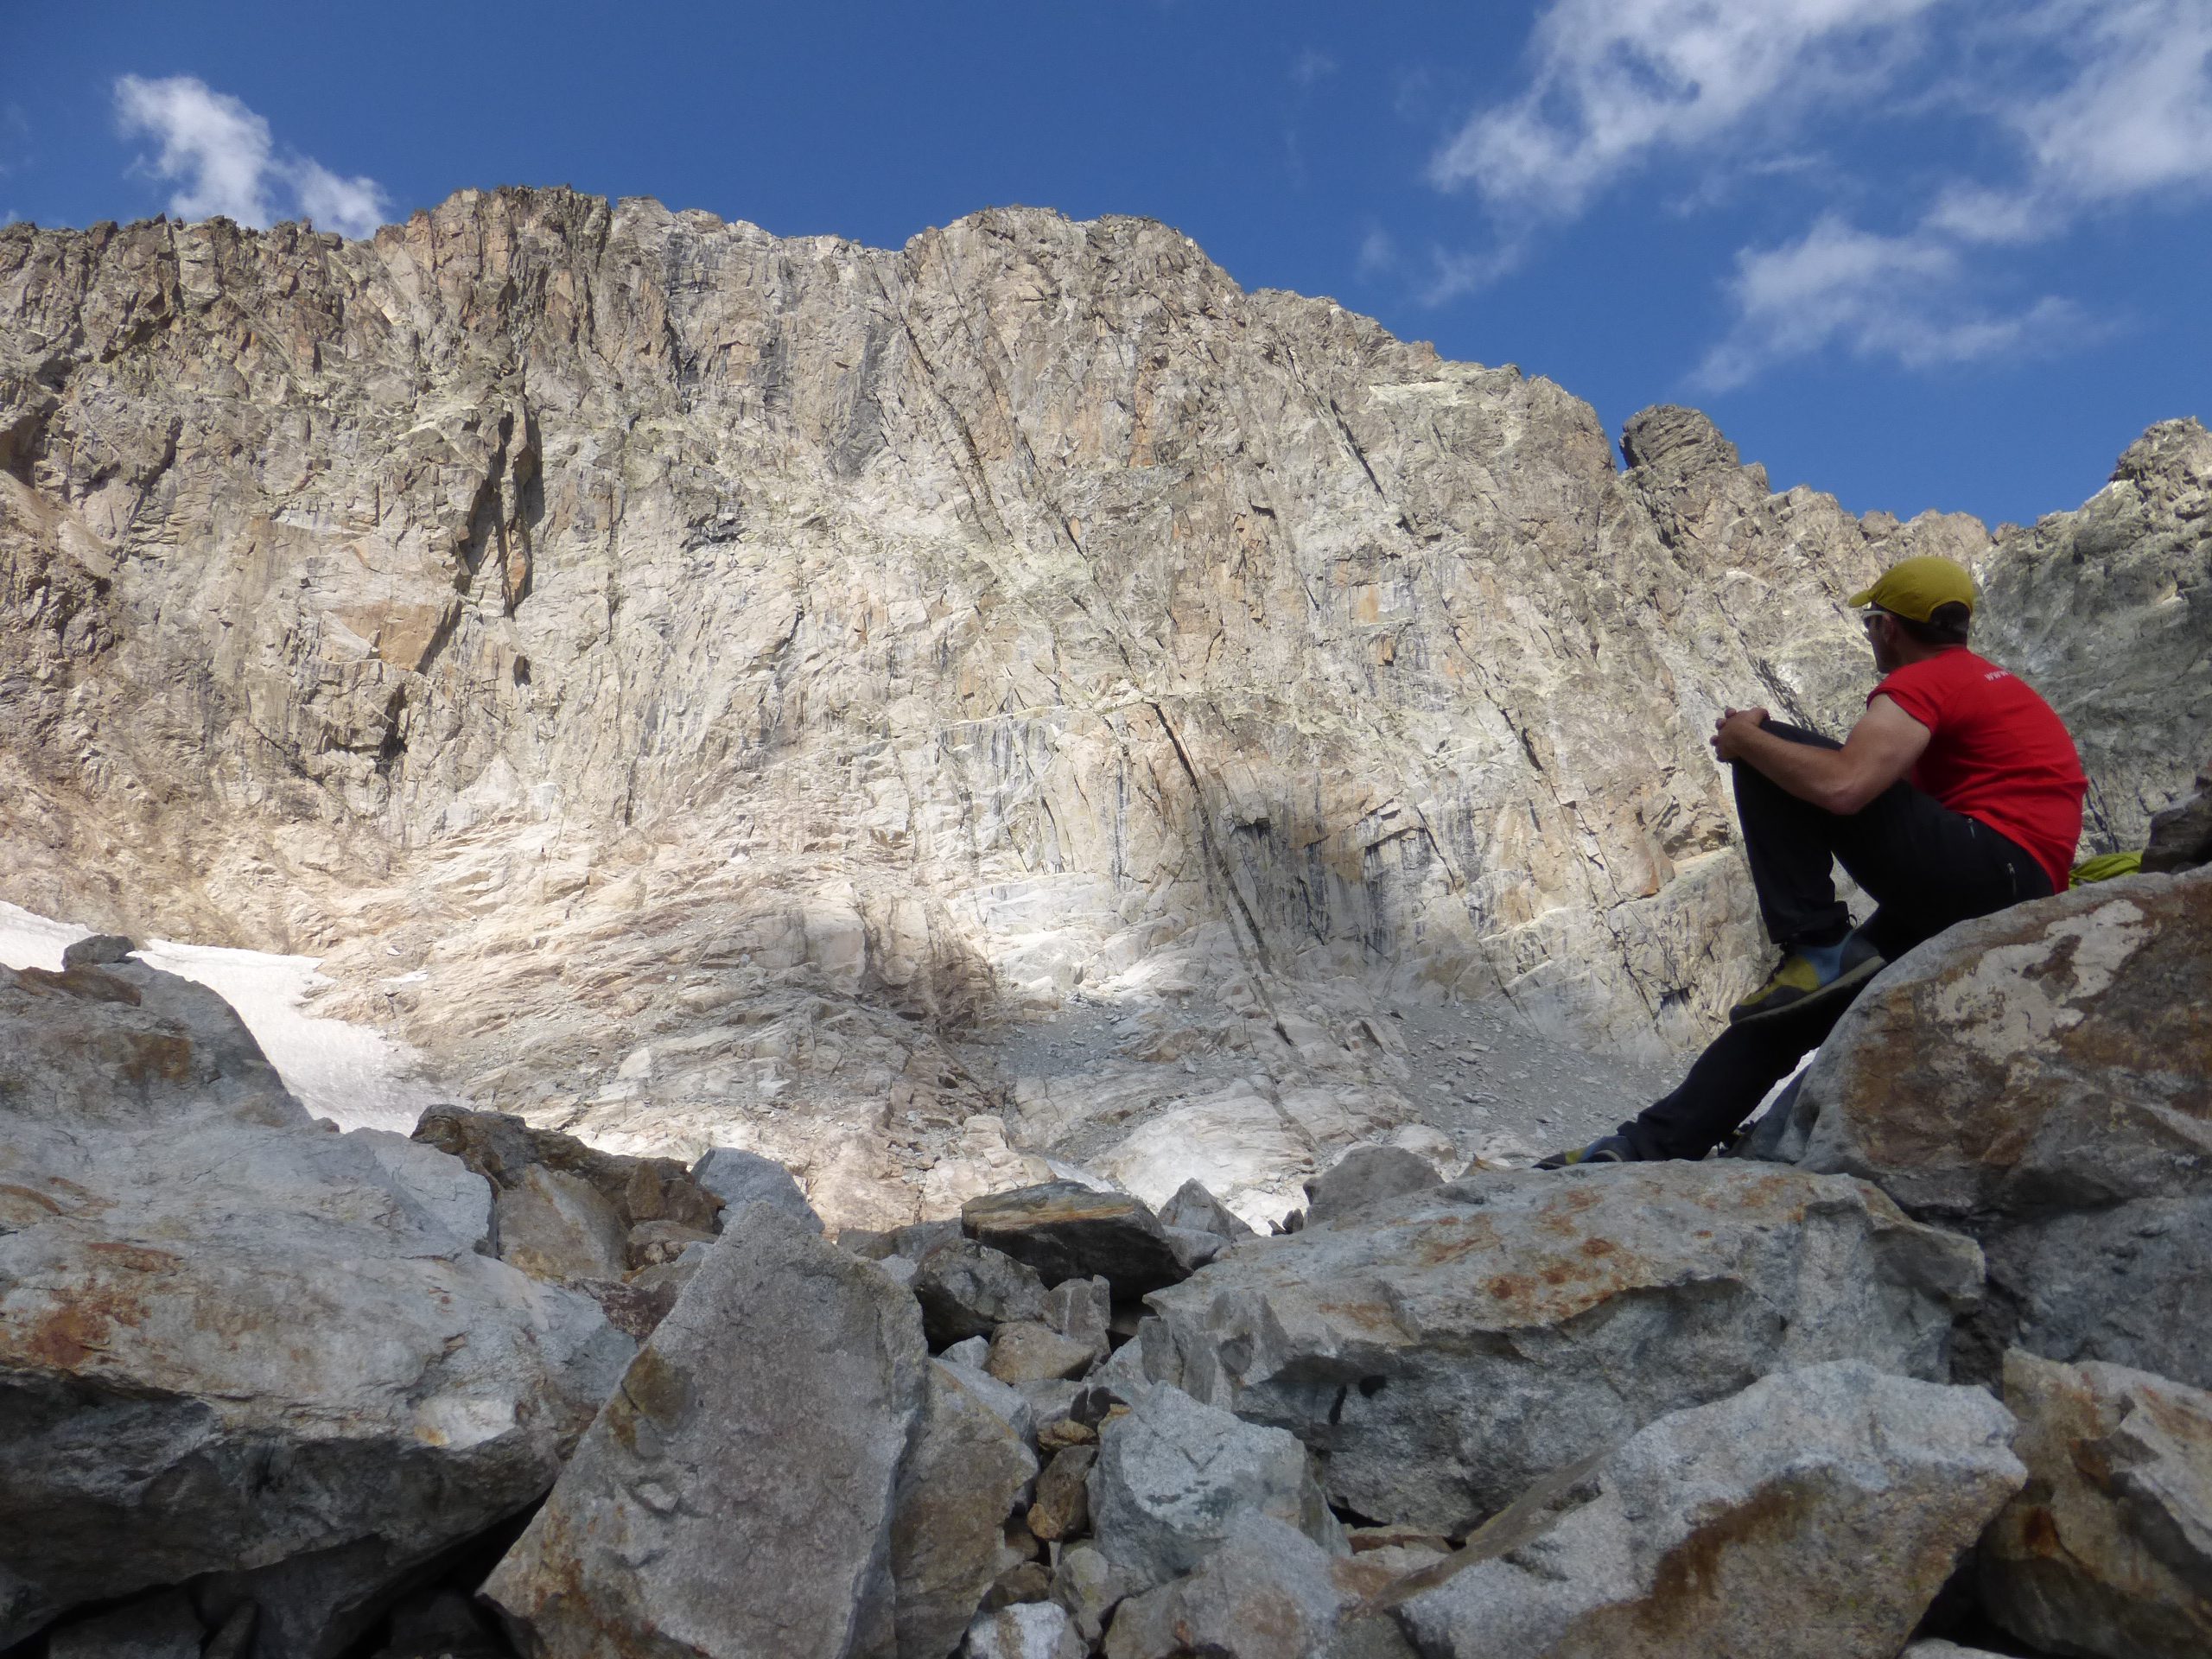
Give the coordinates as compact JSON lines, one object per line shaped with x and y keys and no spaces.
{"x":2104,"y":867}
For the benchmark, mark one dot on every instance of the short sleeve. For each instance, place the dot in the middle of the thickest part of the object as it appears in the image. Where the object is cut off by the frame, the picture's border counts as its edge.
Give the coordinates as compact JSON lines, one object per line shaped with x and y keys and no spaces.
{"x":1920,"y":695}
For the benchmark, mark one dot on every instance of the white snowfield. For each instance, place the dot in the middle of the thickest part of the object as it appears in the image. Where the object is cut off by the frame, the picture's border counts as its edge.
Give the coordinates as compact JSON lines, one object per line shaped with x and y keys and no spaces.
{"x":352,"y":1074}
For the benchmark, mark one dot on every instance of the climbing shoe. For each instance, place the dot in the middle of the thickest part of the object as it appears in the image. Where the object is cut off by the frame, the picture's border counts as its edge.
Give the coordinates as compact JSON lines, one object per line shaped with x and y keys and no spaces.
{"x":1809,"y":975}
{"x":1605,"y":1150}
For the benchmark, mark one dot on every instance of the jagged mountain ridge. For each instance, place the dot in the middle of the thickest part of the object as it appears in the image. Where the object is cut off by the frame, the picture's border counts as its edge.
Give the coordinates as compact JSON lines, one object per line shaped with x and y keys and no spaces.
{"x":676,"y":675}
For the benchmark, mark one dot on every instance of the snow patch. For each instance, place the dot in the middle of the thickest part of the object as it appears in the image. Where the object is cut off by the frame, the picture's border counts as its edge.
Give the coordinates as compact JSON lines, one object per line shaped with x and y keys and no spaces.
{"x":352,"y":1074}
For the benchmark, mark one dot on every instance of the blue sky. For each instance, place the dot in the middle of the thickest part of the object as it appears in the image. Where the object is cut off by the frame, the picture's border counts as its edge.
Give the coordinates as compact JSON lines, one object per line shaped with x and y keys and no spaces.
{"x":1920,"y":253}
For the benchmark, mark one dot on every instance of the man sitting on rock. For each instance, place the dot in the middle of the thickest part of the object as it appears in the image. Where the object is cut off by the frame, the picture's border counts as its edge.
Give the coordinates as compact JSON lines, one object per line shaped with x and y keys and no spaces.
{"x":1957,"y":793}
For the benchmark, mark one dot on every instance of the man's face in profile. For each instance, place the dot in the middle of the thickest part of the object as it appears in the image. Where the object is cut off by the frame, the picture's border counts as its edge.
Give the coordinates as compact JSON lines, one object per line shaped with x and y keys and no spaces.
{"x":1882,"y":634}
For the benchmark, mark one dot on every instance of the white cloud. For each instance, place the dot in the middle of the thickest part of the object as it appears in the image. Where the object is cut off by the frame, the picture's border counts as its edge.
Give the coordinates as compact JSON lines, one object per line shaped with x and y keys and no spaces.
{"x":2138,"y":116}
{"x":1971,"y":213}
{"x":218,"y":148}
{"x":224,"y":161}
{"x":2102,"y":104}
{"x":1378,"y":253}
{"x":1454,"y":275}
{"x":1906,"y":298}
{"x":1616,"y":80}
{"x":1311,"y":66}
{"x":351,"y":206}
{"x":15,"y":137}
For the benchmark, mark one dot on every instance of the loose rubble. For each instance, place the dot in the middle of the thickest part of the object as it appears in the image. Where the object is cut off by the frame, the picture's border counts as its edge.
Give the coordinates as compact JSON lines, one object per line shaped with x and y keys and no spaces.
{"x":1672,"y":1409}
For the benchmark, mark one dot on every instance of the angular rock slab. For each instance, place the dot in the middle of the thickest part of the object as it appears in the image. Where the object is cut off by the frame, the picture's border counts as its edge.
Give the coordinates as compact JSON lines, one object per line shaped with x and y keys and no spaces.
{"x":735,"y":1496}
{"x":967,"y":1289}
{"x":2055,"y":1056}
{"x":739,"y":1178}
{"x":2126,"y":1286}
{"x":1813,"y":1515}
{"x":1447,"y":1350}
{"x":1267,"y":1593}
{"x":2108,"y":1548}
{"x":1365,"y":1176}
{"x":1069,"y":1231}
{"x":229,"y":1339}
{"x":1195,"y":1209}
{"x":557,"y":1227}
{"x":966,"y":1470}
{"x":1172,"y":1476}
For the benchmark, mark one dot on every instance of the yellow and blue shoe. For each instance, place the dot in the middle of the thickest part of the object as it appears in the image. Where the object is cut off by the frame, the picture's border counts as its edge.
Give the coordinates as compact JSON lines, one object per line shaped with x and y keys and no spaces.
{"x":1811,"y":974}
{"x":1605,"y":1150}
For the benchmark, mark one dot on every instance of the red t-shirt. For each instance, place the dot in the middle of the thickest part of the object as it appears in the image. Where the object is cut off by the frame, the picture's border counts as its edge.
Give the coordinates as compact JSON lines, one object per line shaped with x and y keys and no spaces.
{"x":1998,"y":754}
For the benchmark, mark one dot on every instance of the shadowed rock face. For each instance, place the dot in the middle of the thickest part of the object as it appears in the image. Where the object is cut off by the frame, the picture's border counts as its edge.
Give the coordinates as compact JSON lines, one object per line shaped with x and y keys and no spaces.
{"x":722,"y":667}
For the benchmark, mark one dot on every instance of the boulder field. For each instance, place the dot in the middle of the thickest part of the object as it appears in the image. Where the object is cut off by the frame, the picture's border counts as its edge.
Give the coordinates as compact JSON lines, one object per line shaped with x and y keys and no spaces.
{"x":268,"y":1389}
{"x":938,"y":822}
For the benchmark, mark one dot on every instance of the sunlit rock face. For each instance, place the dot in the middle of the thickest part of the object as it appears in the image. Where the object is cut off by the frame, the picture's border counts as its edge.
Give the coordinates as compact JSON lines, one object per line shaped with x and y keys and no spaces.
{"x":693,"y":685}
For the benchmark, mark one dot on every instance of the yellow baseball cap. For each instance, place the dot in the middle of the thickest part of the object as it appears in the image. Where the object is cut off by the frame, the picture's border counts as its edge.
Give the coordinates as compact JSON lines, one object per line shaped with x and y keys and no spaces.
{"x":1916,"y":588}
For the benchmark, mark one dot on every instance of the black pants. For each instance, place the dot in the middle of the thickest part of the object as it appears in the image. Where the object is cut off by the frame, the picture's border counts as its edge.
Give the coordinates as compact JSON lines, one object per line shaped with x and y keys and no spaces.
{"x":1926,"y":866}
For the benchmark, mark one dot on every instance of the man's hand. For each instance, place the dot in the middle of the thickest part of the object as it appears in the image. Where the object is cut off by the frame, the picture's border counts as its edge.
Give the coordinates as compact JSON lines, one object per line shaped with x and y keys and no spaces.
{"x":1728,"y":730}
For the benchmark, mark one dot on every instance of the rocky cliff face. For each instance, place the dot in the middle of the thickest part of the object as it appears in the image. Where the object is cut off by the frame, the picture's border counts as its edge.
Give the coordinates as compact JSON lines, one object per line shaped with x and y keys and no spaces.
{"x":689,"y":681}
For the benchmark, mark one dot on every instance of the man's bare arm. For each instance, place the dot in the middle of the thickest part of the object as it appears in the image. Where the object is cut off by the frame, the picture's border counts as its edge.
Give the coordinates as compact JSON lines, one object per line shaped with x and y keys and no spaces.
{"x":1880,"y":750}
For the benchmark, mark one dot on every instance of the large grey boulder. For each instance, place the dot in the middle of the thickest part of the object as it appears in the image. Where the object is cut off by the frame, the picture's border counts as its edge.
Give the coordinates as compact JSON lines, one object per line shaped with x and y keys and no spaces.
{"x":1813,"y":1515}
{"x":967,"y":1289}
{"x":2043,"y":1078}
{"x":736,"y":1494}
{"x":2125,"y":1285}
{"x":1066,"y":1230}
{"x":739,"y":1178}
{"x":1193,"y":1208}
{"x":229,"y":1339}
{"x":556,"y":1226}
{"x":2108,"y":1550}
{"x":1445,"y":1350}
{"x":1267,"y":1592}
{"x":966,"y":1470}
{"x":1173,"y":1474}
{"x":1364,"y":1176}
{"x":2054,"y":1056}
